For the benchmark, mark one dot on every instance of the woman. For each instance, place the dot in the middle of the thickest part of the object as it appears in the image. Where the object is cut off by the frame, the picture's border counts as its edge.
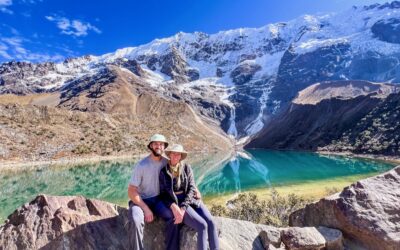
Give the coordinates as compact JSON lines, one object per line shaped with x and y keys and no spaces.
{"x":177,"y":190}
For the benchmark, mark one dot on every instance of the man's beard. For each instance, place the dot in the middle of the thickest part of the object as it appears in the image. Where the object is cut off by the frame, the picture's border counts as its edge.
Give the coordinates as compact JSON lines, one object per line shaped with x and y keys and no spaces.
{"x":155,"y":153}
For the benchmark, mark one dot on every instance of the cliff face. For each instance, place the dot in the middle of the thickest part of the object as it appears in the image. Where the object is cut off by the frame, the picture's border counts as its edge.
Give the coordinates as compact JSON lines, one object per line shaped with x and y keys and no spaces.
{"x":354,"y":116}
{"x":378,"y":132}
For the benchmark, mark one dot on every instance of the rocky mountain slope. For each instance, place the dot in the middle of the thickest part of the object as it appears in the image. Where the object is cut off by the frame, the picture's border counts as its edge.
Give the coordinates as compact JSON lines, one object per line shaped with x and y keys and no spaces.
{"x":344,"y":116}
{"x":111,"y":113}
{"x":240,"y":78}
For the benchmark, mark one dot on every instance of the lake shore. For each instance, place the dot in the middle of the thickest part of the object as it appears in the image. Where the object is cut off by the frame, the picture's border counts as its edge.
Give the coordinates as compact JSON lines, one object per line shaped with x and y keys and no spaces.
{"x":384,"y":158}
{"x":312,"y":190}
{"x":10,"y":166}
{"x":21,"y":165}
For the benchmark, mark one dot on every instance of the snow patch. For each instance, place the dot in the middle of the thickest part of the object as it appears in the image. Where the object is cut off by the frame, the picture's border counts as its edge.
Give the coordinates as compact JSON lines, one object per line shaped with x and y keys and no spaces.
{"x":313,"y":44}
{"x":258,"y":124}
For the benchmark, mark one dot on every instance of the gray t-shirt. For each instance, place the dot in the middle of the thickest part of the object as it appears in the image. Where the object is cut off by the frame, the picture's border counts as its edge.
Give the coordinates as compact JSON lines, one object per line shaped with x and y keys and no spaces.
{"x":145,"y":176}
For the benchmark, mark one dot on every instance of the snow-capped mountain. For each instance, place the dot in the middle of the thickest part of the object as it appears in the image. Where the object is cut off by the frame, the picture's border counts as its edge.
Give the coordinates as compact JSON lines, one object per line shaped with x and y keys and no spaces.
{"x":243,"y":77}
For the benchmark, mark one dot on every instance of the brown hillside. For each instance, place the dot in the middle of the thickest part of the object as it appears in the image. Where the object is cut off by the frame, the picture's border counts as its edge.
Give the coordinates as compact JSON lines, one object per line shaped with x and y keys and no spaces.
{"x":114,"y":115}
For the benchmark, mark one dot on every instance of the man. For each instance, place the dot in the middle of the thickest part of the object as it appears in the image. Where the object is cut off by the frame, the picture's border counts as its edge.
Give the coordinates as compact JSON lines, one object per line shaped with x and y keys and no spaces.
{"x":143,"y":192}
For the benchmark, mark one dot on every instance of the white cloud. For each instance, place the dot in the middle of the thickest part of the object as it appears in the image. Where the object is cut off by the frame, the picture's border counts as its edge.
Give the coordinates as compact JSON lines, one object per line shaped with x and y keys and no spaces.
{"x":7,"y":11}
{"x":4,"y":4}
{"x":31,"y":1}
{"x":3,"y":52}
{"x":12,"y":48}
{"x":26,"y":14}
{"x":74,"y":27}
{"x":13,"y":41}
{"x":7,"y":3}
{"x":11,"y":29}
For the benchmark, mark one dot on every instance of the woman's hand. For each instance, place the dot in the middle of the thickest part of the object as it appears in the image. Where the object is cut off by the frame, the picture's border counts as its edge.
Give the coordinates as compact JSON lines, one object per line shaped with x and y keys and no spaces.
{"x":197,"y":194}
{"x":178,"y":214}
{"x":183,"y":211}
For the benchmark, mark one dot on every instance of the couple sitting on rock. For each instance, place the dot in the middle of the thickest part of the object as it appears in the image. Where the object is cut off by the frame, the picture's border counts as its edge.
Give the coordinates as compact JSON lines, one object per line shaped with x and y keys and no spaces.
{"x":166,"y":188}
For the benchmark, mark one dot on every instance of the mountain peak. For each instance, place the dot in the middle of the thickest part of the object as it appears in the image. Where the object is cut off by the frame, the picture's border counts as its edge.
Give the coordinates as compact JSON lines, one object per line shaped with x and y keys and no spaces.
{"x":388,"y":5}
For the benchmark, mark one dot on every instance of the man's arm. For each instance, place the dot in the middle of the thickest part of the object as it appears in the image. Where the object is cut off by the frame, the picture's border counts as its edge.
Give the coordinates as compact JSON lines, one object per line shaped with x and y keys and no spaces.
{"x":133,"y":194}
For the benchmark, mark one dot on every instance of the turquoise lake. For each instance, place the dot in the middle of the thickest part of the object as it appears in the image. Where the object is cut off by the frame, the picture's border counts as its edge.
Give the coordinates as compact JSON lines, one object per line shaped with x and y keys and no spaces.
{"x":253,"y":169}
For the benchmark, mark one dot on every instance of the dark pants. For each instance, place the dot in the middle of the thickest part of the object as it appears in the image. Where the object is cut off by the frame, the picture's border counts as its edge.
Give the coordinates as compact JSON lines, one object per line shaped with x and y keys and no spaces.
{"x":201,"y":221}
{"x":160,"y":210}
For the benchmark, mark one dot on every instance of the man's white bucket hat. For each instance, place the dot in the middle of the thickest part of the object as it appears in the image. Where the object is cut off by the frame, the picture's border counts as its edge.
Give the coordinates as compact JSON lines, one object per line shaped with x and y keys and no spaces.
{"x":158,"y":137}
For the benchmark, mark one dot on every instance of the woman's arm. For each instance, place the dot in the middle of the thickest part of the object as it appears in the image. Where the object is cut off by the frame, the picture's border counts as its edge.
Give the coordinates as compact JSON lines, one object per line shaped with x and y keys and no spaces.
{"x":164,"y":190}
{"x":165,"y":195}
{"x":191,"y":187}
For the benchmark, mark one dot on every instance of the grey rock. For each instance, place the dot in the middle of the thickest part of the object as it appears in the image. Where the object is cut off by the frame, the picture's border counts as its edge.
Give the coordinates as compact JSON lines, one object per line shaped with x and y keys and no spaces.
{"x":237,"y":234}
{"x":387,"y":30}
{"x":193,"y":74}
{"x":307,"y":238}
{"x":367,"y":212}
{"x":55,"y":222}
{"x":244,"y":72}
{"x":173,"y":65}
{"x":92,"y":83}
{"x":219,"y":72}
{"x":333,"y":238}
{"x":271,"y":237}
{"x":131,"y":65}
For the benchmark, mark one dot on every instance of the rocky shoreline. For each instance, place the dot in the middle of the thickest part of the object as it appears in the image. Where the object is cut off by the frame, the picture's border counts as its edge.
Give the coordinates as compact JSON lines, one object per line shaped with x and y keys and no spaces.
{"x":385,"y":158}
{"x":23,"y":165}
{"x":366,"y":214}
{"x":12,"y":165}
{"x":15,"y":165}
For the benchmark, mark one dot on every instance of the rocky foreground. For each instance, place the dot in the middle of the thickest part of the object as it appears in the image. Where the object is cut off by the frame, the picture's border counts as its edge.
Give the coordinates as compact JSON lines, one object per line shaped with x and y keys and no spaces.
{"x":365,"y":214}
{"x":368,"y":212}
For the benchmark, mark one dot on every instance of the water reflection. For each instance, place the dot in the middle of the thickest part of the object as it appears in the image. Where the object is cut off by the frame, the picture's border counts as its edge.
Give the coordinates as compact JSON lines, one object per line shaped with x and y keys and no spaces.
{"x":242,"y":169}
{"x":105,"y":181}
{"x":234,"y":164}
{"x":262,"y":169}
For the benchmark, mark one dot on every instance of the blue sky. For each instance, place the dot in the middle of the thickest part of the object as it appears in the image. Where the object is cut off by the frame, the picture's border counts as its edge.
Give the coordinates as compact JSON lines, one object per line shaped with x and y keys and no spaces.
{"x":43,"y":30}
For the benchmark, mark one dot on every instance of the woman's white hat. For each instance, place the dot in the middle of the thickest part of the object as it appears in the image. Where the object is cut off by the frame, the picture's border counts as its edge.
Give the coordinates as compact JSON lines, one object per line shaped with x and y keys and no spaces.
{"x":177,"y":148}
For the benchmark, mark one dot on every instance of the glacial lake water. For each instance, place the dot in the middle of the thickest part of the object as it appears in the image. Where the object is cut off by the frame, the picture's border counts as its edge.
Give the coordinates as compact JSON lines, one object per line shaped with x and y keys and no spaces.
{"x":253,"y":169}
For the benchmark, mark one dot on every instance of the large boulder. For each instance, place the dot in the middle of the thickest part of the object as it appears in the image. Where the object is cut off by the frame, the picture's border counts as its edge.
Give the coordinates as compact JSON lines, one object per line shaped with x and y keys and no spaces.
{"x":367,"y":212}
{"x":75,"y":222}
{"x":59,"y":222}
